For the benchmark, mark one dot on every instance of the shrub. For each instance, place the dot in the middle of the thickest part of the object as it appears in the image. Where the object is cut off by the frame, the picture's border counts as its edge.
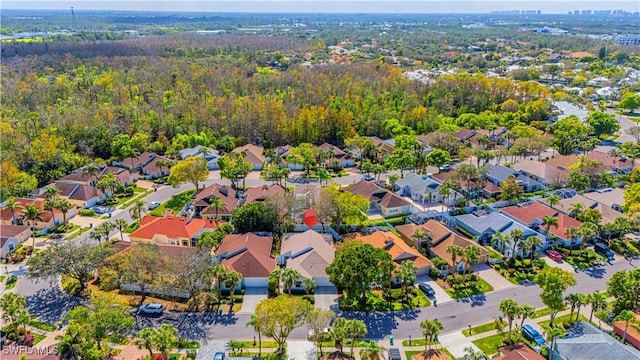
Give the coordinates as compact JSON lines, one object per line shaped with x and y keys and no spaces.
{"x":86,"y":212}
{"x":27,"y":339}
{"x":108,"y":280}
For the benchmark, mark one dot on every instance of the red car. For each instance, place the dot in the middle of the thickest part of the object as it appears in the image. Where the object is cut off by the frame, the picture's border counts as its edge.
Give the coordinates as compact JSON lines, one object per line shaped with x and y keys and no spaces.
{"x":554,"y":255}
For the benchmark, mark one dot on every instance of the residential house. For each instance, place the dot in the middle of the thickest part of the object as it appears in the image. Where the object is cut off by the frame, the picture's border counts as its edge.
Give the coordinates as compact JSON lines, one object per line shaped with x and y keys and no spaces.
{"x":80,"y":177}
{"x":586,"y":341}
{"x":249,"y":255}
{"x":519,"y":351}
{"x":608,"y":214}
{"x":420,"y":188}
{"x":498,"y":174}
{"x":615,"y":164}
{"x":533,"y":214}
{"x":46,"y":222}
{"x":399,"y":250}
{"x":563,"y":162}
{"x":151,"y":169}
{"x":171,"y":230}
{"x":383,"y":200}
{"x":442,"y":237}
{"x":633,"y":332}
{"x":135,"y":163}
{"x":548,"y":175}
{"x":262,"y":193}
{"x":209,"y":154}
{"x":205,"y":197}
{"x":465,"y":135}
{"x":253,"y":154}
{"x":385,"y":147}
{"x":611,"y":197}
{"x":12,"y":236}
{"x":336,"y":154}
{"x":494,"y":137}
{"x":81,"y":196}
{"x":565,"y":109}
{"x":484,"y":224}
{"x":309,"y":253}
{"x":488,"y":189}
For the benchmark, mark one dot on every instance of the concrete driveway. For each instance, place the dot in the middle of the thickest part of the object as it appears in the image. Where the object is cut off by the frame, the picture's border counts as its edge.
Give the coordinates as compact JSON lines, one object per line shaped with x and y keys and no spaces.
{"x":326,"y":298}
{"x":441,"y":295}
{"x":301,"y":350}
{"x":209,"y":348}
{"x":497,"y":281}
{"x":252,"y":296}
{"x":559,"y":264}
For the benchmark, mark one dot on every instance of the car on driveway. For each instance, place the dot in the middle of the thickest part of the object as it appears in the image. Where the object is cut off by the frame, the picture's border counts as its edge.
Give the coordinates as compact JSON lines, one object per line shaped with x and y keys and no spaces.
{"x":554,"y":255}
{"x":446,"y":167}
{"x":427,"y":289}
{"x":532,"y":334}
{"x":219,"y":356}
{"x":154,"y":205}
{"x":151,"y":308}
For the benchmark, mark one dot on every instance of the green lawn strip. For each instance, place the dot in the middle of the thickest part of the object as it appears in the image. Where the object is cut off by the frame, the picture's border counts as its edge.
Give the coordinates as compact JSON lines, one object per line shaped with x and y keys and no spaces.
{"x":2,"y":277}
{"x":480,"y":288}
{"x":78,"y":233}
{"x":542,"y":312}
{"x":409,"y":354}
{"x":42,"y":325}
{"x":11,"y":282}
{"x":266,"y":344}
{"x":562,"y":319}
{"x":482,"y":328}
{"x":134,"y":199}
{"x":37,"y":338}
{"x":131,"y":228}
{"x":175,"y":204}
{"x":419,"y":342}
{"x":490,"y":344}
{"x":420,"y":300}
{"x":346,"y":344}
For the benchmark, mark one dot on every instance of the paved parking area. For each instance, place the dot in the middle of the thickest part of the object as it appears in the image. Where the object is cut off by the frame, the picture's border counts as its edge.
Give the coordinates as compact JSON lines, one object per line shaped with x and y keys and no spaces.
{"x":497,"y":281}
{"x":559,"y":264}
{"x":301,"y":350}
{"x":441,"y":295}
{"x":326,"y":298}
{"x":209,"y":348}
{"x":252,"y":296}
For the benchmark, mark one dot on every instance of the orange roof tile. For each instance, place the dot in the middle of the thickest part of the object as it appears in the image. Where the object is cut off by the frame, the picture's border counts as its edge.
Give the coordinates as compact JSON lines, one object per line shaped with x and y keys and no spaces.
{"x":247,"y":254}
{"x":172,"y":227}
{"x":396,"y":247}
{"x":442,"y":237}
{"x":536,"y":211}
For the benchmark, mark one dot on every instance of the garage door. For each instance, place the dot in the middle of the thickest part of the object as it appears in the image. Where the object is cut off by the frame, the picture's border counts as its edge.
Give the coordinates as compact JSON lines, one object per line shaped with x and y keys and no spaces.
{"x":255,"y":282}
{"x":322,"y":281}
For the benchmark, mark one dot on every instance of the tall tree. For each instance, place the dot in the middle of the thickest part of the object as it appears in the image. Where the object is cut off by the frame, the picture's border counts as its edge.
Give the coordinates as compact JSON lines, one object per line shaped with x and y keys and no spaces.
{"x":549,"y":221}
{"x":193,"y":170}
{"x":32,"y":214}
{"x":456,"y":252}
{"x":137,"y":209}
{"x":553,"y":282}
{"x":121,"y":224}
{"x":509,"y":308}
{"x":525,"y":311}
{"x":64,"y":206}
{"x":253,"y":322}
{"x":142,"y":265}
{"x":430,"y":329}
{"x":628,"y":317}
{"x":289,"y":278}
{"x":470,"y":257}
{"x":278,"y":316}
{"x":318,"y":322}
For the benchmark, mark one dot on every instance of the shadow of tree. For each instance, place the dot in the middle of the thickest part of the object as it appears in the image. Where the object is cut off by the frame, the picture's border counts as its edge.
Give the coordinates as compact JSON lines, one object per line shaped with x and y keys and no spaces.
{"x":379,"y":323}
{"x":595,"y":272}
{"x":474,"y":300}
{"x":51,"y":305}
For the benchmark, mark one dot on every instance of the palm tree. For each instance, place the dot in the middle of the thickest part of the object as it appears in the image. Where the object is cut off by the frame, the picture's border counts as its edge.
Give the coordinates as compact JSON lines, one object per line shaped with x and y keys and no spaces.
{"x":509,"y":308}
{"x":11,"y":303}
{"x":573,"y":234}
{"x":91,"y":170}
{"x":572,"y":300}
{"x":217,"y":272}
{"x":516,"y":236}
{"x":420,"y":237}
{"x":598,"y":302}
{"x":277,"y":275}
{"x":50,"y":205}
{"x":430,"y":329}
{"x":12,"y":205}
{"x":253,"y":322}
{"x":145,"y":339}
{"x":444,"y":191}
{"x":69,"y":347}
{"x":525,"y":311}
{"x":215,"y":203}
{"x":308,"y":285}
{"x":108,"y":183}
{"x":582,"y":300}
{"x":547,"y":222}
{"x":51,"y":192}
{"x":137,"y":209}
{"x":553,"y":200}
{"x":471,"y":354}
{"x":455,"y":251}
{"x":576,"y":209}
{"x":289,"y":277}
{"x":628,"y":317}
{"x":500,"y":241}
{"x":470,"y":256}
{"x":323,"y":175}
{"x":32,"y":213}
{"x":64,"y":206}
{"x":532,"y":243}
{"x":232,"y":280}
{"x":371,"y":351}
{"x":406,"y":275}
{"x":588,"y":231}
{"x":121,"y":224}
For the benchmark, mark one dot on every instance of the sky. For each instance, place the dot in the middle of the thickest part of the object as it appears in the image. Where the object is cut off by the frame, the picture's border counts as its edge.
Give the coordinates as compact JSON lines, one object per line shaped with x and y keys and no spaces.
{"x":328,"y":6}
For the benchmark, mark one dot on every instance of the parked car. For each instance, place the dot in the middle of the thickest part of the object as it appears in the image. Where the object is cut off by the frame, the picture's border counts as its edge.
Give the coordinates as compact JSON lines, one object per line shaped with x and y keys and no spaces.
{"x":219,"y":355}
{"x":102,"y":210}
{"x":367,"y":177}
{"x":604,"y":250}
{"x":554,"y":255}
{"x":394,"y":354}
{"x":427,"y":289}
{"x":154,"y":205}
{"x":446,"y":167}
{"x":151,"y":308}
{"x":532,"y":334}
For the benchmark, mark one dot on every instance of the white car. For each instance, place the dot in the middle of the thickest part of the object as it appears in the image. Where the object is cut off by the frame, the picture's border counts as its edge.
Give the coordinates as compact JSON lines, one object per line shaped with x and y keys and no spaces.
{"x":154,"y":204}
{"x":151,"y":308}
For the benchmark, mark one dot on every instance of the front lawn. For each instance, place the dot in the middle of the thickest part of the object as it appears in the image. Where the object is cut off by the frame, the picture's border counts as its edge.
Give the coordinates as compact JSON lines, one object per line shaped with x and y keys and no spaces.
{"x":459,"y":287}
{"x":410,"y":354}
{"x":490,"y":344}
{"x":175,"y":204}
{"x":588,"y":258}
{"x":521,"y":270}
{"x":383,"y":300}
{"x":11,"y":282}
{"x":563,"y":320}
{"x":419,"y":342}
{"x":542,"y":312}
{"x":483,"y":328}
{"x":42,"y":325}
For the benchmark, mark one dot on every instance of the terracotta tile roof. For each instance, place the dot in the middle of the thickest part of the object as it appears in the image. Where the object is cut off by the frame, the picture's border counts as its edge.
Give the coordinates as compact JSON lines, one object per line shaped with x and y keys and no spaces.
{"x":85,"y":193}
{"x":248,"y":254}
{"x":262,"y":192}
{"x":608,"y":160}
{"x":225,"y":193}
{"x":254,"y":153}
{"x":492,"y":188}
{"x":396,"y":247}
{"x":536,"y":211}
{"x":519,"y":351}
{"x":391,"y":200}
{"x":78,"y":176}
{"x":563,"y":162}
{"x":10,"y":231}
{"x":142,"y":159}
{"x":464,"y":134}
{"x":337,"y":152}
{"x":442,"y":237}
{"x":23,"y":202}
{"x":152,"y":167}
{"x":123,"y":175}
{"x":172,"y":227}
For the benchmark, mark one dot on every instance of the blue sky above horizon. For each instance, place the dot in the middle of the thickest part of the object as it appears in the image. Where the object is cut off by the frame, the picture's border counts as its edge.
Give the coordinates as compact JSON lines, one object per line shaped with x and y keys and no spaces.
{"x":328,"y":6}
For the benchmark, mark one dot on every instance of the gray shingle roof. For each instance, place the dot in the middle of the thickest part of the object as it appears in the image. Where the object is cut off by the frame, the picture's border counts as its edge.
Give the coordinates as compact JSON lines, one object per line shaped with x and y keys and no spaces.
{"x":586,"y":342}
{"x":417,"y":183}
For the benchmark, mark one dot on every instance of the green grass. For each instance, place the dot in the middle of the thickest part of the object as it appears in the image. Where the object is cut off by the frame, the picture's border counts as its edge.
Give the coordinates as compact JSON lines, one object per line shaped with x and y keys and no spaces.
{"x":42,"y":325}
{"x":490,"y":344}
{"x":482,"y":328}
{"x":134,"y":199}
{"x":2,"y":277}
{"x":419,"y":342}
{"x":175,"y":204}
{"x":37,"y":338}
{"x":542,"y":312}
{"x":11,"y":282}
{"x":480,"y":288}
{"x":346,"y":344}
{"x":266,"y":344}
{"x":78,"y":233}
{"x":563,"y":319}
{"x":131,"y":227}
{"x":409,"y":354}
